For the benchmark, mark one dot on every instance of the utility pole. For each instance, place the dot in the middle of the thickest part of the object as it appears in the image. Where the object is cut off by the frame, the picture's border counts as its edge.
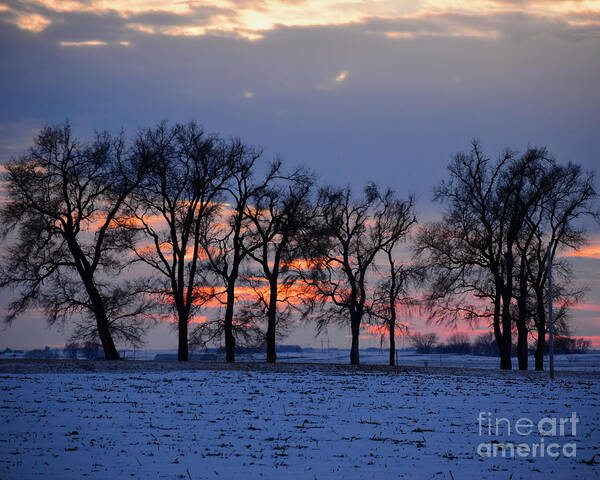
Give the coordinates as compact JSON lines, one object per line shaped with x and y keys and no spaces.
{"x":550,"y":319}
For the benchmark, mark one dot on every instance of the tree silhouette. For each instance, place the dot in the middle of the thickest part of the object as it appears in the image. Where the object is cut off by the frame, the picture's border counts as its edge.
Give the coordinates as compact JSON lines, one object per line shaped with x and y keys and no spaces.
{"x":464,"y":252}
{"x":347,"y":236}
{"x":488,"y":250}
{"x":570,"y":197}
{"x":169,"y":208}
{"x":64,"y":198}
{"x":277,"y":216}
{"x":227,"y":242}
{"x":391,"y":293}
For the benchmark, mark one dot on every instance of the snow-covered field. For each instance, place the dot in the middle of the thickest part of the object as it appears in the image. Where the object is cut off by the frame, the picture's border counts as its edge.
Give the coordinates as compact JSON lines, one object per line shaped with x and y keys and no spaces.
{"x":574,"y":362}
{"x":295,"y":421}
{"x":372,"y":356}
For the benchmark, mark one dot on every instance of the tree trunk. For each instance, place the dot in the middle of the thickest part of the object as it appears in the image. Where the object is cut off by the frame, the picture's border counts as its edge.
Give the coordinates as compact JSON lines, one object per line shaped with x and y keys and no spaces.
{"x":504,"y":365}
{"x":522,"y":350}
{"x":87,"y":277}
{"x":108,"y":345}
{"x":541,"y":334}
{"x":182,"y":351}
{"x":355,"y":326}
{"x":505,"y":361}
{"x":539,"y":350}
{"x":505,"y":351}
{"x":228,"y":325}
{"x":392,"y":328}
{"x":522,"y":330}
{"x":271,"y":323}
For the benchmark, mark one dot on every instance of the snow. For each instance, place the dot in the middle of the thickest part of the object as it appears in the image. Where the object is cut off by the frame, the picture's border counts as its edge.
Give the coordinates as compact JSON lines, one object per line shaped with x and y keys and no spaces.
{"x":573,"y":362}
{"x":298,"y":421}
{"x":372,"y":356}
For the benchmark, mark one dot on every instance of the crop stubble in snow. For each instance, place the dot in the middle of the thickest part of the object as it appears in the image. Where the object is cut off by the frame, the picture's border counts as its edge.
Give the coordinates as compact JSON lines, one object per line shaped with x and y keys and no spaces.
{"x":145,"y":421}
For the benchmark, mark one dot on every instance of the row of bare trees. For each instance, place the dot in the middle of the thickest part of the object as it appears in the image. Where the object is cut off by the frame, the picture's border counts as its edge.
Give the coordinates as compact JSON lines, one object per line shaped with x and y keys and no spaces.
{"x":487,"y":257}
{"x":113,"y":234}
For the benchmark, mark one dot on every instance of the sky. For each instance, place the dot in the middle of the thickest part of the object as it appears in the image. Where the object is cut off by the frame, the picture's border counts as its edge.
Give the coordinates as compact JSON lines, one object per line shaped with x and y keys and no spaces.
{"x":357,"y":90}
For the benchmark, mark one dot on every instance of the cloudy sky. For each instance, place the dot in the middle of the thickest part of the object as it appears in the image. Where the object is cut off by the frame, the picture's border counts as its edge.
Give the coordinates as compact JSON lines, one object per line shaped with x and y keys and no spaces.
{"x":358,"y":90}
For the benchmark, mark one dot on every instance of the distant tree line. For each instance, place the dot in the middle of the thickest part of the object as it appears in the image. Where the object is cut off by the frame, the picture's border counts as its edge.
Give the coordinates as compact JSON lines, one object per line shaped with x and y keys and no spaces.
{"x":485,"y":344}
{"x":112,"y":235}
{"x":89,"y":350}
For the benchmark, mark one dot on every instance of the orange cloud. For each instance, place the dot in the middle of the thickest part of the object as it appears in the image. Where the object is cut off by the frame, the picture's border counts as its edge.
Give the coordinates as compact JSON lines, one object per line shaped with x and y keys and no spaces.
{"x":298,"y":264}
{"x":198,"y":319}
{"x":170,"y":318}
{"x":251,"y":19}
{"x":293,"y":294}
{"x":32,"y":22}
{"x":166,"y":249}
{"x":86,"y":43}
{"x":375,"y":329}
{"x":97,"y":220}
{"x":592,"y":251}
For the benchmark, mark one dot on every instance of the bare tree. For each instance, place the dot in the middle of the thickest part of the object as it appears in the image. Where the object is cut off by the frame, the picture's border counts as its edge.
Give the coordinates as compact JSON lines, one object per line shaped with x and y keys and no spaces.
{"x":485,"y":344}
{"x":423,"y":342}
{"x":464,"y":251}
{"x":521,"y":190}
{"x":569,"y":199}
{"x":347,"y":236}
{"x":129,"y":312}
{"x":168,"y":210}
{"x":228,"y":242}
{"x":392,"y":294}
{"x":64,"y":198}
{"x":478,"y":255}
{"x":457,"y":343}
{"x":276,"y":217}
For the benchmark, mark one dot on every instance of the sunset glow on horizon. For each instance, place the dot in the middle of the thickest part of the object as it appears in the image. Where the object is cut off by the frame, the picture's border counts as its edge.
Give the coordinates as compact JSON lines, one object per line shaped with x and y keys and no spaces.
{"x":592,"y":251}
